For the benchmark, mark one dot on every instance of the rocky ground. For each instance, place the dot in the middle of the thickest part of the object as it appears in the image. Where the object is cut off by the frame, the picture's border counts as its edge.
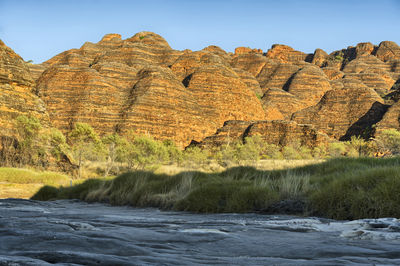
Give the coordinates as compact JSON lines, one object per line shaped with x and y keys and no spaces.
{"x":77,"y":233}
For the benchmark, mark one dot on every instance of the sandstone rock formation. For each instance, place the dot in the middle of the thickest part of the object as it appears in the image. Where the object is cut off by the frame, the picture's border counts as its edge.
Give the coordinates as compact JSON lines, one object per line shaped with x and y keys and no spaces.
{"x":276,"y":75}
{"x":391,"y":119}
{"x":285,"y":54}
{"x":283,"y":102}
{"x":387,"y":51}
{"x":17,"y":94}
{"x":309,"y":85}
{"x":345,"y":111}
{"x":276,"y":132}
{"x":319,"y":57}
{"x":140,"y":85}
{"x":247,"y":50}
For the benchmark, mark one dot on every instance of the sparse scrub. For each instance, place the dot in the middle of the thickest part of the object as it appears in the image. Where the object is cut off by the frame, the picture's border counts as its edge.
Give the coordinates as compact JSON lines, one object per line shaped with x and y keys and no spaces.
{"x":336,"y":149}
{"x":272,"y":151}
{"x":195,"y":157}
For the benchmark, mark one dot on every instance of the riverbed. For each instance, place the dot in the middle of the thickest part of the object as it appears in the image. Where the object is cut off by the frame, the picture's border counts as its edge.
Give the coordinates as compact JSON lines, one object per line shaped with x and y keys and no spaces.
{"x":71,"y":232}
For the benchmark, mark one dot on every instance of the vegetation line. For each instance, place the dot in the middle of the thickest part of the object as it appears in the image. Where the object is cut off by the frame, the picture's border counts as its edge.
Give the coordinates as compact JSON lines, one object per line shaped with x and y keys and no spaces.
{"x":342,"y":188}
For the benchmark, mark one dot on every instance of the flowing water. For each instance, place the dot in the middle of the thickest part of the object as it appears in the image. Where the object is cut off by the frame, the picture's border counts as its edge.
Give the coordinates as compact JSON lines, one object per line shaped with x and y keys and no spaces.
{"x":77,"y":233}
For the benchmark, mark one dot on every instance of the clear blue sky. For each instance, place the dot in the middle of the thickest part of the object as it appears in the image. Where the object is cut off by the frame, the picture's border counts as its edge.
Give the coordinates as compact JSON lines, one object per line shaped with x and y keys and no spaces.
{"x":38,"y":30}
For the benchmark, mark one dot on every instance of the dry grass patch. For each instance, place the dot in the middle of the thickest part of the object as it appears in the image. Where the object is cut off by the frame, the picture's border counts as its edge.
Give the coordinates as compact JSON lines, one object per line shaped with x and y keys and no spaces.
{"x":24,"y":183}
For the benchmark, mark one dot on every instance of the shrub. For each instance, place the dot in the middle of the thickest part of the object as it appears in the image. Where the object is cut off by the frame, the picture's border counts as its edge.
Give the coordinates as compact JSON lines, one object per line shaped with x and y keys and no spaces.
{"x":195,"y":157}
{"x":250,"y":150}
{"x":357,"y":147}
{"x":146,"y":152}
{"x":319,"y":152}
{"x":290,"y":152}
{"x":336,"y":149}
{"x":259,"y":96}
{"x":226,"y":156}
{"x":389,"y":141}
{"x":271,"y":151}
{"x":175,"y":155}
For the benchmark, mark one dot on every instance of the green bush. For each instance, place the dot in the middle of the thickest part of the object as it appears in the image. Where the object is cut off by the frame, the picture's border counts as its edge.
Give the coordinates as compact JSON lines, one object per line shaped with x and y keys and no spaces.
{"x":145,"y":152}
{"x":336,"y":149}
{"x":290,"y":152}
{"x":319,"y":152}
{"x":389,"y":141}
{"x":249,"y":151}
{"x":271,"y":151}
{"x":195,"y":157}
{"x":175,"y":155}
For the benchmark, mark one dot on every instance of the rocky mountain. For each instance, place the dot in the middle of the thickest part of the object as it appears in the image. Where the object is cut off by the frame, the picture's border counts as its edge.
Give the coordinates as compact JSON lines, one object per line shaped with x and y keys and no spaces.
{"x":17,"y":93}
{"x":141,"y":85}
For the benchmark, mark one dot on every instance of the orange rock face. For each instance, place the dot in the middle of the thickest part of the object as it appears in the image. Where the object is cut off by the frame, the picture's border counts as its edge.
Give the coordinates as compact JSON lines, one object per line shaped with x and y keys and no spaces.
{"x":285,"y":54}
{"x":17,"y":94}
{"x":344,"y":112}
{"x":247,"y":50}
{"x":276,"y":132}
{"x":387,"y":51}
{"x":141,"y":85}
{"x":309,"y":85}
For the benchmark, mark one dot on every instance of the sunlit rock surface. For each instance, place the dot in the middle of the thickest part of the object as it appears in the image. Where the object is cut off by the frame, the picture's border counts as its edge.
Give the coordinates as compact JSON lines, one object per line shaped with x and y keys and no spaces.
{"x":141,"y":85}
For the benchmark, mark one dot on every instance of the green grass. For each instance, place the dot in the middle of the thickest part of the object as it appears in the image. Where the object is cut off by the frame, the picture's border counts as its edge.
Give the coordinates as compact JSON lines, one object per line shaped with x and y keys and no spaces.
{"x":345,"y":188}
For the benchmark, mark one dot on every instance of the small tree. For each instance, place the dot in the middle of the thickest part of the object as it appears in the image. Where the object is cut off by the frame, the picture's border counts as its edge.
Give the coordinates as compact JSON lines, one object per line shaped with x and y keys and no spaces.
{"x":226,"y":154}
{"x":146,"y":152}
{"x":292,"y":150}
{"x":116,"y":149}
{"x":85,"y":144}
{"x":175,"y":155}
{"x":57,"y":143}
{"x":28,"y":128}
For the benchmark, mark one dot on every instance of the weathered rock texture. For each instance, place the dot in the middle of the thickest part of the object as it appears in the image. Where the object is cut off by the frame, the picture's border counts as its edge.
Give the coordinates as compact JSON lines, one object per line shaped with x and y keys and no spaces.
{"x":17,"y":94}
{"x":276,"y":132}
{"x":141,"y":85}
{"x":344,"y":112}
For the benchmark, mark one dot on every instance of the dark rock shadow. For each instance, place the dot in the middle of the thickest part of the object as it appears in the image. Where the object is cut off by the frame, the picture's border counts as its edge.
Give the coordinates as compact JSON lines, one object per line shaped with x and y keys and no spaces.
{"x":364,"y":126}
{"x":186,"y":80}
